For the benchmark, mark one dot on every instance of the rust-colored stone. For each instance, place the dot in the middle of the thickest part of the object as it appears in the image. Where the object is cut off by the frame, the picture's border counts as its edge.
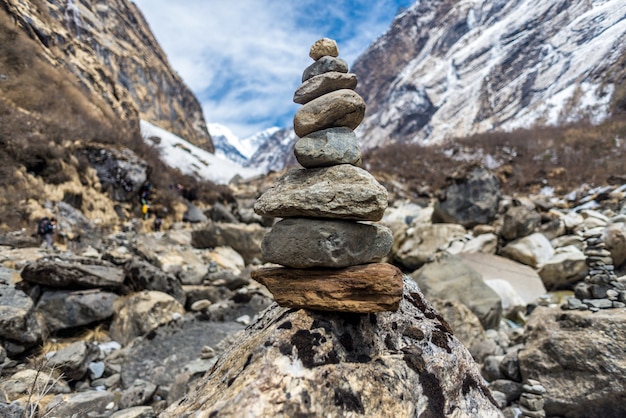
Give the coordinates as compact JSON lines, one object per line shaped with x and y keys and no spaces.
{"x":365,"y":288}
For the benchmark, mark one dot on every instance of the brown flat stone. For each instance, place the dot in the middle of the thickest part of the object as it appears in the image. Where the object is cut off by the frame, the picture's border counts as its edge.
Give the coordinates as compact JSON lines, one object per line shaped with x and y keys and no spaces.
{"x":366,"y":288}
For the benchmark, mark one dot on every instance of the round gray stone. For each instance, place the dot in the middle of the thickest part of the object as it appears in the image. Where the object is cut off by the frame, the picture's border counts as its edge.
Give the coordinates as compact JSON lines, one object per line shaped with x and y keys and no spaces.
{"x":304,"y":243}
{"x":323,"y":65}
{"x":328,"y":147}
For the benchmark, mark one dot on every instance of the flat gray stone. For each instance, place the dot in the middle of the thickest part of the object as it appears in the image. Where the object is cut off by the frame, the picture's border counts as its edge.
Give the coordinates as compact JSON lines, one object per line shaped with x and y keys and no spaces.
{"x":339,"y":108}
{"x":328,"y":147}
{"x":64,"y":309}
{"x":323,"y":65}
{"x":305,"y":242}
{"x":338,"y":192}
{"x":321,"y":84}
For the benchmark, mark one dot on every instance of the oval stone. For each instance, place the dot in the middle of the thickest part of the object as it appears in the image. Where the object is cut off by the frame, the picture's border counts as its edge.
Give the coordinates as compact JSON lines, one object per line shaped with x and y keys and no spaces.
{"x":339,"y":108}
{"x":338,"y":192}
{"x":324,"y":46}
{"x":328,"y":147}
{"x":324,"y":65}
{"x":324,"y":83}
{"x":305,"y":242}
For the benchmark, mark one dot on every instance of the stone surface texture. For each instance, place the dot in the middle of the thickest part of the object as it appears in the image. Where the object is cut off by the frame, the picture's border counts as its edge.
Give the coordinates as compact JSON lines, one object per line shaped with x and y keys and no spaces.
{"x":365,"y":288}
{"x":339,"y":192}
{"x":328,"y":147}
{"x":308,"y":242}
{"x":339,"y":108}
{"x":579,"y":358}
{"x":321,"y":84}
{"x":306,"y":363}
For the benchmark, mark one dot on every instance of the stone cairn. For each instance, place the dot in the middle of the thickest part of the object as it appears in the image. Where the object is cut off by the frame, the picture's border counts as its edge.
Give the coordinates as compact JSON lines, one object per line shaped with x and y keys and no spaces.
{"x":326,"y":241}
{"x":600,"y":289}
{"x":531,"y":400}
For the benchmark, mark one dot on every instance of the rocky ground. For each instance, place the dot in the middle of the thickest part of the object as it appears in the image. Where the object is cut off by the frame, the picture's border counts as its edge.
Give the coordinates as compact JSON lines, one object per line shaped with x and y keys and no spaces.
{"x":124,"y":324}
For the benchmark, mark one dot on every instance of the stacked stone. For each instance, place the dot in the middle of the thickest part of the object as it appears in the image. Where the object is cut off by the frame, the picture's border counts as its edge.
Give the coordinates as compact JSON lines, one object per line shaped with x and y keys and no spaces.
{"x":531,"y":400}
{"x":600,"y":289}
{"x":327,"y":242}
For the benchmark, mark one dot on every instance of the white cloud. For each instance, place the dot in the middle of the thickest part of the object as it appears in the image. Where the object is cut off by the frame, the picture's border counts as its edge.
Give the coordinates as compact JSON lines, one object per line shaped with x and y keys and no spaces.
{"x":243,"y":59}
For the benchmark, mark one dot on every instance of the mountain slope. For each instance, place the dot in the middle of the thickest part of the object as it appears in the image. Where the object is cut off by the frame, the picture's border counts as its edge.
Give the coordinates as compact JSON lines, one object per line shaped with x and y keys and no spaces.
{"x":110,"y":49}
{"x":451,"y":69}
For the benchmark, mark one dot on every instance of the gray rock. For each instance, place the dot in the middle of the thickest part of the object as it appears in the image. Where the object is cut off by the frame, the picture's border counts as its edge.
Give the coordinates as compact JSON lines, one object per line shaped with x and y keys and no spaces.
{"x":194,"y":214}
{"x":121,"y":172}
{"x":160,"y":359}
{"x":220,"y":213}
{"x":243,"y":238}
{"x":141,"y":275}
{"x":563,"y":347}
{"x":73,"y":360}
{"x":18,"y":319}
{"x":139,"y":313}
{"x":519,"y":221}
{"x":510,"y":366}
{"x":338,"y":108}
{"x":324,"y":83}
{"x":12,"y":410}
{"x":339,"y":192}
{"x":470,"y":198}
{"x":532,"y":250}
{"x":328,"y":147}
{"x":511,"y":389}
{"x":423,"y":241}
{"x":308,"y":363}
{"x":74,"y":272}
{"x":77,"y":403}
{"x":306,"y":242}
{"x":63,"y":309}
{"x":325,"y":64}
{"x":135,"y":412}
{"x":138,"y":394}
{"x":565,"y":268}
{"x":449,"y":278}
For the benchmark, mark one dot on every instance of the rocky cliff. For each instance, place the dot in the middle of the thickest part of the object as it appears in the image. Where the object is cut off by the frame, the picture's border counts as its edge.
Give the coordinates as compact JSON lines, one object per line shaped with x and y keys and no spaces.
{"x":109,"y":47}
{"x":451,"y":69}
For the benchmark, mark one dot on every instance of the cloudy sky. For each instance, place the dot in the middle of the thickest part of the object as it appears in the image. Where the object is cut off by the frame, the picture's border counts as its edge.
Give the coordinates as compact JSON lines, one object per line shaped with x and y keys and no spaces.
{"x":243,"y":59}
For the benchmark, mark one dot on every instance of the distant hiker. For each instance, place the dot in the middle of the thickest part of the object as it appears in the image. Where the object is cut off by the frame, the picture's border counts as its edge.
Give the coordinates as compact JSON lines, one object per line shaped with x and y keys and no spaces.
{"x":145,"y":207}
{"x":157,"y":224}
{"x":45,"y":228}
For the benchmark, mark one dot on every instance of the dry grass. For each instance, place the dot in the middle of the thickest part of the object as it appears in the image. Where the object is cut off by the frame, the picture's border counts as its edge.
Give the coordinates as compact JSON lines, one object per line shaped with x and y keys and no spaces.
{"x":561,"y":157}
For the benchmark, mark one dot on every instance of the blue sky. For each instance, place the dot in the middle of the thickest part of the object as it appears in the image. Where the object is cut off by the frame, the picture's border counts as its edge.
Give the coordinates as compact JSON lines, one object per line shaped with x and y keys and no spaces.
{"x":243,"y":59}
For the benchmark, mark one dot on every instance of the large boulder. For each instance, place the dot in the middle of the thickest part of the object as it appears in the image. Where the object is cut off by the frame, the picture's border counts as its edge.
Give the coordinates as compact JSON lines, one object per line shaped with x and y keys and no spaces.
{"x":20,"y":326}
{"x":74,"y":272}
{"x":141,"y":312}
{"x":121,"y":172}
{"x":243,"y":238}
{"x":471,"y":197}
{"x":449,"y":278}
{"x":578,"y":356}
{"x":423,"y":241}
{"x":517,"y":284}
{"x":64,"y":309}
{"x":519,"y":221}
{"x":567,"y":267}
{"x":310,"y":363}
{"x":532,"y":250}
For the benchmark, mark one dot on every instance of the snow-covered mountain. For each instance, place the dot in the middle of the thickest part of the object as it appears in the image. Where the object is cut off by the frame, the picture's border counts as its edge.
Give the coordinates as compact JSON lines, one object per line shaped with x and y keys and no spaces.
{"x":451,"y":69}
{"x":447,"y":70}
{"x":192,"y":160}
{"x":231,"y":147}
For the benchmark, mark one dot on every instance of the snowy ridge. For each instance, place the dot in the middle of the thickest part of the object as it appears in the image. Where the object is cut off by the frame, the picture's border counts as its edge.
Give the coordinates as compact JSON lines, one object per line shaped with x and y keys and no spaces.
{"x":192,"y":160}
{"x":494,"y":64}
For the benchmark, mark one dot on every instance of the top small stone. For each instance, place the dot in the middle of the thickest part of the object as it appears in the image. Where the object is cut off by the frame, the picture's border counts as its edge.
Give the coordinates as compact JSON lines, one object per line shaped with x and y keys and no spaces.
{"x":323,"y":47}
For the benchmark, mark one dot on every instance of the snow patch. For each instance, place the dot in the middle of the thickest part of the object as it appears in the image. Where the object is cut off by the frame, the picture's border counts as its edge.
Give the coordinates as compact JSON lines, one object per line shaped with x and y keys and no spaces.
{"x":190,"y":159}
